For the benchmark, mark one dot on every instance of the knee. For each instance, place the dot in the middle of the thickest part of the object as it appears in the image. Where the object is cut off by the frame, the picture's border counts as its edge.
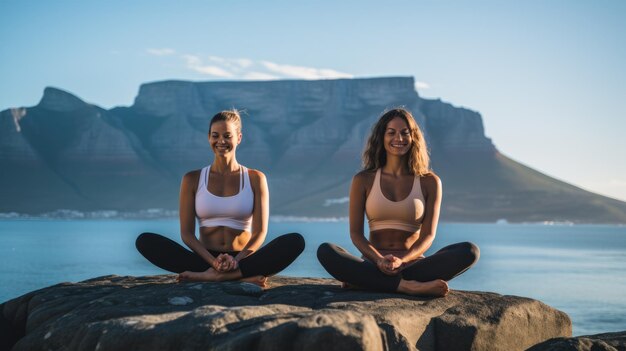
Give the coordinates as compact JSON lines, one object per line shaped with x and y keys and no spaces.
{"x":324,"y":252}
{"x":472,"y":251}
{"x":142,"y":240}
{"x":296,"y":242}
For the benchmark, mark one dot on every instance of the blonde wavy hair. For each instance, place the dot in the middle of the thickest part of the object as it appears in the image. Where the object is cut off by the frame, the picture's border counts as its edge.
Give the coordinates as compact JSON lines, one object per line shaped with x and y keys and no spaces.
{"x":375,"y":156}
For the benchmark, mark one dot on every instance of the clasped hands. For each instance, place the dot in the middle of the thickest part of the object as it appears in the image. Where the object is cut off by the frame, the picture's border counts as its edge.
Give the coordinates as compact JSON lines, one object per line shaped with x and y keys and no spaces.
{"x":225,"y":263}
{"x":390,"y":264}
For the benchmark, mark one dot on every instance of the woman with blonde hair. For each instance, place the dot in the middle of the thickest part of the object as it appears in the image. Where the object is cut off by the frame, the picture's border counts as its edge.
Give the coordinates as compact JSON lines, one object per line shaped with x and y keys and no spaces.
{"x":231,"y":205}
{"x":401,"y":197}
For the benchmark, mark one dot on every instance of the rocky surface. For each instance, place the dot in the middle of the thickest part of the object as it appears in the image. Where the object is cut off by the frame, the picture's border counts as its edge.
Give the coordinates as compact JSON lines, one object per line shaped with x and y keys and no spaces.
{"x":306,"y":136}
{"x":156,"y":313}
{"x":599,"y":342}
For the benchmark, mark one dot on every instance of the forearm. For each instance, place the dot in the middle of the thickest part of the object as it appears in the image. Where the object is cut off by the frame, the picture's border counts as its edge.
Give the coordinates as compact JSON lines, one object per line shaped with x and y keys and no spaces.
{"x":196,"y":246}
{"x":418,"y":248}
{"x":366,"y":248}
{"x":253,"y":244}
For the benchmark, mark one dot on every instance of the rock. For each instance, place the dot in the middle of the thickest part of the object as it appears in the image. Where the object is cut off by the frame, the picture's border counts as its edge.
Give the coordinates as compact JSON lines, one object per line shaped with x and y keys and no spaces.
{"x":599,"y":342}
{"x":156,"y":313}
{"x":180,"y":300}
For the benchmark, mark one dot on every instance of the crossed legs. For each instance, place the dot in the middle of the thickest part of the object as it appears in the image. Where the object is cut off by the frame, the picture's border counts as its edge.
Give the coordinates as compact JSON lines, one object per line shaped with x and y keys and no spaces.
{"x":268,"y":260}
{"x":426,"y":276}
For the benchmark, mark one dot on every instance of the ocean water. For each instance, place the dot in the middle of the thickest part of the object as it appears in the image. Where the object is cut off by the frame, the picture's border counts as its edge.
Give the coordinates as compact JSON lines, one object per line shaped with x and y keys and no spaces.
{"x":579,"y":269}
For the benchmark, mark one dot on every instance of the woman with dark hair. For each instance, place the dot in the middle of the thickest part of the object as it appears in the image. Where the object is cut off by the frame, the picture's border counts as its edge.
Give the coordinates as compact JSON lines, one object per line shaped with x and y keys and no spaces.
{"x":401,"y":197}
{"x":231,"y":205}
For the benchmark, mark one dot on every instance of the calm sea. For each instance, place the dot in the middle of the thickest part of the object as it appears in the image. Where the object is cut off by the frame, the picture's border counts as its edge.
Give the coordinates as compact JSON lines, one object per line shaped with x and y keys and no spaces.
{"x":578,"y":269}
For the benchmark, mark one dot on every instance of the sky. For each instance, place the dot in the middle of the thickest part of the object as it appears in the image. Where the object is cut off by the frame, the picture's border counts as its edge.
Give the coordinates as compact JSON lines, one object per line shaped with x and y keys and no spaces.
{"x":548,"y":77}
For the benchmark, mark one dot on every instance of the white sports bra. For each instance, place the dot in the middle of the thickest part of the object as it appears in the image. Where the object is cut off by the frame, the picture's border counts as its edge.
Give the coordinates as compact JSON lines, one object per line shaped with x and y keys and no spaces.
{"x":228,"y":211}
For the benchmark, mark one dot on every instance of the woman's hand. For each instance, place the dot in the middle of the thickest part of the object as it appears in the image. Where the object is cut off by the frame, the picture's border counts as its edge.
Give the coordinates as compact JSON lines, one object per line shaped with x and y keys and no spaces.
{"x":225,"y":263}
{"x":389,"y":264}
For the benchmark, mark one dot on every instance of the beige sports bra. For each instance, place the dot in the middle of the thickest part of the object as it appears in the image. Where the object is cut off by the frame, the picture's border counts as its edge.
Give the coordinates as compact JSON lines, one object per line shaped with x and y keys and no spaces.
{"x":404,"y":215}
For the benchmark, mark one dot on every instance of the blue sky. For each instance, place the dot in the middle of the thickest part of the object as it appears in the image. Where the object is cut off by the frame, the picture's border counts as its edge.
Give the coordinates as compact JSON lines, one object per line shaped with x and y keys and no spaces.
{"x":548,"y":77}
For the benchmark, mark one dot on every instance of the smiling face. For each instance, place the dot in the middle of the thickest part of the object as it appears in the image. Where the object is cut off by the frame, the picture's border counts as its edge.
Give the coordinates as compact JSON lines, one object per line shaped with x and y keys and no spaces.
{"x":398,"y":139}
{"x":224,"y":137}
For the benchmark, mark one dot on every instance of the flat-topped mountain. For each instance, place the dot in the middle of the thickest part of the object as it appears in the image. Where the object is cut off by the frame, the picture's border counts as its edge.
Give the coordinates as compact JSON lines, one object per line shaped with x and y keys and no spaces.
{"x":306,"y":136}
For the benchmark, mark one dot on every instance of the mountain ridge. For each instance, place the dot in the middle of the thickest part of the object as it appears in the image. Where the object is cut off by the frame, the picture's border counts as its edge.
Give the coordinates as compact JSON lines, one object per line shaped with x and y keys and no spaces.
{"x":307,"y":136}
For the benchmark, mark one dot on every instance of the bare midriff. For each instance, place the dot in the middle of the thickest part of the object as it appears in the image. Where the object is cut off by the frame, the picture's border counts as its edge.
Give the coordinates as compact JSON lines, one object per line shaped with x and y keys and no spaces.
{"x":224,"y":238}
{"x":393,"y":240}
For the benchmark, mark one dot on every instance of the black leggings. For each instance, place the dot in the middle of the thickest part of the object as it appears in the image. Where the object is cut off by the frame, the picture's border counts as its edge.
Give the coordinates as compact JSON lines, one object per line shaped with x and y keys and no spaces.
{"x":445,"y":264}
{"x":268,"y":260}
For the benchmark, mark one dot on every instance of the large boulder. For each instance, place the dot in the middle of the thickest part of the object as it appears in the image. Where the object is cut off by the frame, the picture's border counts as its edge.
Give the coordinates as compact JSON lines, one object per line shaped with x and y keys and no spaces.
{"x":156,"y":313}
{"x":598,"y":342}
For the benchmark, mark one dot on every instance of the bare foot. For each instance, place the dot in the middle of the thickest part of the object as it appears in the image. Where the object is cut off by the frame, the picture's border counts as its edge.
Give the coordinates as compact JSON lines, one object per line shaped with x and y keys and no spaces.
{"x":259,"y":280}
{"x":432,"y":288}
{"x":210,"y":275}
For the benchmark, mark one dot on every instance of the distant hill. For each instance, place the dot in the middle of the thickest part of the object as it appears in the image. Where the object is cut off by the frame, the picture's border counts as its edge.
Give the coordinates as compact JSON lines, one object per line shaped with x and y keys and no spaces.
{"x":307,"y":136}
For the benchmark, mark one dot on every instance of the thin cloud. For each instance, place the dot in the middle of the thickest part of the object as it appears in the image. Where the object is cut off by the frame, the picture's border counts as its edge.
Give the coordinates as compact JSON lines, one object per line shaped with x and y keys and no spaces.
{"x":421,"y":86}
{"x":244,"y":63}
{"x":195,"y":63}
{"x":303,"y":72}
{"x":213,"y":71}
{"x":161,"y":52}
{"x":237,"y":64}
{"x":247,"y":69}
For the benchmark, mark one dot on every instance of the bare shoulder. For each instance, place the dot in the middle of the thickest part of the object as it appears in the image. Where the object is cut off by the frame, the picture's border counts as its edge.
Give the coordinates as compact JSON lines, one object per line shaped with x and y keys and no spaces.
{"x":192,"y":176}
{"x":189,"y":184}
{"x":431,"y":182}
{"x":364,"y":176}
{"x":256,"y":177}
{"x":364,"y":179}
